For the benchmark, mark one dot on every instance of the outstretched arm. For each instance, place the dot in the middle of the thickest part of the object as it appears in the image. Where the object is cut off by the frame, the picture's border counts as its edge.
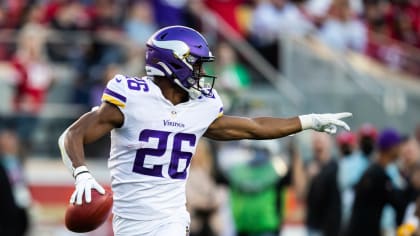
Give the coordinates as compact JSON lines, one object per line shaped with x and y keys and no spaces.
{"x":234,"y":128}
{"x":88,"y":128}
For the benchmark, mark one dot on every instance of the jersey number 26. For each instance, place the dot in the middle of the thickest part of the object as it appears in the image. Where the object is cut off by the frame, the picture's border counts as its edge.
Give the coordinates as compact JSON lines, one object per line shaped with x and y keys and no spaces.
{"x":176,"y":155}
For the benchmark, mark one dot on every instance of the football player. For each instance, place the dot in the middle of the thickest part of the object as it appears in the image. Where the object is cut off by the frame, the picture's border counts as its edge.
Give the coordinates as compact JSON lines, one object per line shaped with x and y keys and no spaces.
{"x":156,"y":122}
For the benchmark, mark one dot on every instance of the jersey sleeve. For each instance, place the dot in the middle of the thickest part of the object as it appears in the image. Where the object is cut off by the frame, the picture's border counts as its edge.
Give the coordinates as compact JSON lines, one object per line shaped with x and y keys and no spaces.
{"x":220,"y":114}
{"x":115,"y":91}
{"x":218,"y":104}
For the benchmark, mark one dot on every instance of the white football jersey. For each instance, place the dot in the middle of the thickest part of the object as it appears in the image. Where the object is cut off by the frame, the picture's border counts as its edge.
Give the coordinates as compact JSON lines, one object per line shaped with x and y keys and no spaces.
{"x":151,"y":153}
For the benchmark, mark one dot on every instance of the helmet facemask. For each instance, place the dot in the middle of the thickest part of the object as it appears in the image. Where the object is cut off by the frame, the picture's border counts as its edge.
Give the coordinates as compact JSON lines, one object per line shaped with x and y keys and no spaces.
{"x":199,"y":83}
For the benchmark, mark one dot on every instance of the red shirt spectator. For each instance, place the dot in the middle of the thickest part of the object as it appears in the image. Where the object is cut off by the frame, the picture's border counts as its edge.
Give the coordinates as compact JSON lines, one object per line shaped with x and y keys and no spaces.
{"x":32,"y":86}
{"x":227,"y":10}
{"x":413,"y":13}
{"x":33,"y":74}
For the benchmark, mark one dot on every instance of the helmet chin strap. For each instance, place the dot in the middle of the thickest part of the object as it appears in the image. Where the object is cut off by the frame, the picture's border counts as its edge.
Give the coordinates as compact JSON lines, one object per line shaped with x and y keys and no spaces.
{"x":193,"y":93}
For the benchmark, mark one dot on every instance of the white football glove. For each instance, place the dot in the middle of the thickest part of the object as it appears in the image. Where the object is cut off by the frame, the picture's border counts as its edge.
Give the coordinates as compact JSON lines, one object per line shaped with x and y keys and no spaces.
{"x":84,"y":185}
{"x":324,"y":122}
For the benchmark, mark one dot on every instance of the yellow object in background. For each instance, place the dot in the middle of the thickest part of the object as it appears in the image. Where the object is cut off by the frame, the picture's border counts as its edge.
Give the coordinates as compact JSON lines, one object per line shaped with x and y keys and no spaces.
{"x":406,"y":230}
{"x":243,"y":16}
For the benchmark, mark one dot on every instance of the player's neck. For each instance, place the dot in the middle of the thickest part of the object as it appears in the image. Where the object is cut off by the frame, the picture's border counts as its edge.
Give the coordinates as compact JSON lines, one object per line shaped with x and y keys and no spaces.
{"x":171,"y":92}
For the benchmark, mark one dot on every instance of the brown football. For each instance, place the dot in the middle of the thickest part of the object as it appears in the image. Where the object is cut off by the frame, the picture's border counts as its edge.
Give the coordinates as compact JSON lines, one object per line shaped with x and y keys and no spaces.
{"x":89,"y":216}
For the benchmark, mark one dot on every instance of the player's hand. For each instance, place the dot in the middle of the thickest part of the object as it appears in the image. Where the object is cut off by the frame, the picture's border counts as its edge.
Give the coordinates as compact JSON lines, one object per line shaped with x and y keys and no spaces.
{"x":84,"y":185}
{"x":325,"y":122}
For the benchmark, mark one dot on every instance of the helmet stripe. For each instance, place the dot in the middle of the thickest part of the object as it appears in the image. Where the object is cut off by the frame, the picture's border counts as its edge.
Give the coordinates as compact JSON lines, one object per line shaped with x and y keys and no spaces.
{"x":115,"y":95}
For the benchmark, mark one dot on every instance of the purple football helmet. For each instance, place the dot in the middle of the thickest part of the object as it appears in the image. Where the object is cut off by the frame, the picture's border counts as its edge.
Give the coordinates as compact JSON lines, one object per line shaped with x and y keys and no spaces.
{"x":177,"y":53}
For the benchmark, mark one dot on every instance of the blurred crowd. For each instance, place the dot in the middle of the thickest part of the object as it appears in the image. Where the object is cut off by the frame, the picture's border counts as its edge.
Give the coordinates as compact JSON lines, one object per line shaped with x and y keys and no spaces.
{"x":15,"y":195}
{"x":96,"y":39}
{"x":365,"y":182}
{"x":386,"y":30}
{"x":362,"y":183}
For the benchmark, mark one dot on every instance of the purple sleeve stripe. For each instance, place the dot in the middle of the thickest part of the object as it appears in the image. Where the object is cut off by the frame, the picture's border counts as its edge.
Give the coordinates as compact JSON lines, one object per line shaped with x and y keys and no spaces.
{"x":115,"y":95}
{"x":221,"y":109}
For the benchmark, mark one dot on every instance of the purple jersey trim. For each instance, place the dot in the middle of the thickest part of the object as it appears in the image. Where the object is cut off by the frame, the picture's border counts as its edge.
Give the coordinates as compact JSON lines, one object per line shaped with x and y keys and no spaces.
{"x":115,"y":95}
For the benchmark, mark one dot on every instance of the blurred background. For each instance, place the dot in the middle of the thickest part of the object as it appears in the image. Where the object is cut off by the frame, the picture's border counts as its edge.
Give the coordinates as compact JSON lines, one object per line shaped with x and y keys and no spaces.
{"x":273,"y":57}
